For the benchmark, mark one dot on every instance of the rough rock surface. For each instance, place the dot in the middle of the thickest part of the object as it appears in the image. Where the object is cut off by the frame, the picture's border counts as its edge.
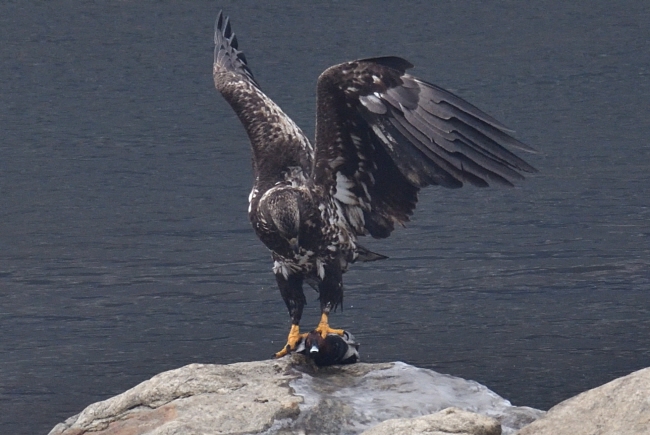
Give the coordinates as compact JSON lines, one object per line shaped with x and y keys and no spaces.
{"x":290,"y":396}
{"x":195,"y":399}
{"x":446,"y":422}
{"x":620,"y":407}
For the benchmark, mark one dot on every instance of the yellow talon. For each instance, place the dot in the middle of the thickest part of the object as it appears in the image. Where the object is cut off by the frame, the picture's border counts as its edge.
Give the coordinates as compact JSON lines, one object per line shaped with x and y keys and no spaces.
{"x":324,"y":328}
{"x":292,"y":341}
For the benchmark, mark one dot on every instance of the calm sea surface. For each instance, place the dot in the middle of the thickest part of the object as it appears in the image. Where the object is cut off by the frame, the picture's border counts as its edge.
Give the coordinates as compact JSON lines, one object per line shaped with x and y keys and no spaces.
{"x":125,"y":248}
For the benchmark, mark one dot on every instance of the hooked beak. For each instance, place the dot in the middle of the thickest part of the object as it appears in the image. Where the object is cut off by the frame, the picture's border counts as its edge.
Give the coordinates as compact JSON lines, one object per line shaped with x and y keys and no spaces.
{"x":295,"y":245}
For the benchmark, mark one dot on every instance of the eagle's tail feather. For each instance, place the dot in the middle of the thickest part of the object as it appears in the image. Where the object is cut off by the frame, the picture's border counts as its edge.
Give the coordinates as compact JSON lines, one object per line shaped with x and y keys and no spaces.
{"x":364,"y":255}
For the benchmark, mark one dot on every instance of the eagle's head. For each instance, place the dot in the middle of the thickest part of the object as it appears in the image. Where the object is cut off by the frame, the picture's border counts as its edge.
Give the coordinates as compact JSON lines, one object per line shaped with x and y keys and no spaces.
{"x":280,"y":208}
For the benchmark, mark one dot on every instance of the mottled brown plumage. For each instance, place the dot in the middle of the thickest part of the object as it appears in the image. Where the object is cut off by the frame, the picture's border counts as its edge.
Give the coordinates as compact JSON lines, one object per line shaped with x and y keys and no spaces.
{"x":381,"y":135}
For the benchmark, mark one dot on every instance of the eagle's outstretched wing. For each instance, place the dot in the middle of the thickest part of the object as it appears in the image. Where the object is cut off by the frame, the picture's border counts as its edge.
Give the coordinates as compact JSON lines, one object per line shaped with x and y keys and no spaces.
{"x":278,"y":144}
{"x":382,"y":134}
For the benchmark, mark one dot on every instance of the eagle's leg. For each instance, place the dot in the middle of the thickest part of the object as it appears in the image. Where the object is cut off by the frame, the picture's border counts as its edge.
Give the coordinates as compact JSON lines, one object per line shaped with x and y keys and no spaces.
{"x":331,"y":295}
{"x":291,"y":291}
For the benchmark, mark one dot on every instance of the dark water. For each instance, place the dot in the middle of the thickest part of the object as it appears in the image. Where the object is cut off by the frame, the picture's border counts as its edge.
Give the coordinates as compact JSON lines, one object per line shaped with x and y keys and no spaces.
{"x":124,"y":243}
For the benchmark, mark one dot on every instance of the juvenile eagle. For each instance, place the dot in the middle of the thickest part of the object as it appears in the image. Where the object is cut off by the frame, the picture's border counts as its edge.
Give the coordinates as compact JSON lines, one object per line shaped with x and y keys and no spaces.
{"x":381,"y":135}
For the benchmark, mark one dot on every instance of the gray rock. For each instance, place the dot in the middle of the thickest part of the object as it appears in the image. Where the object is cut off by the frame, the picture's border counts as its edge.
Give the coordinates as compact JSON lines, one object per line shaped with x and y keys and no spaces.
{"x":287,"y":396}
{"x":196,"y":399}
{"x":620,"y":407}
{"x":448,"y":421}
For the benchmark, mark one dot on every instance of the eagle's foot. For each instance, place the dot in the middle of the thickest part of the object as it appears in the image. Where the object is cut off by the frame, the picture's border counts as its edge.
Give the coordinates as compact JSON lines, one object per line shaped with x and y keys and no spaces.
{"x":292,"y":341}
{"x":324,"y":328}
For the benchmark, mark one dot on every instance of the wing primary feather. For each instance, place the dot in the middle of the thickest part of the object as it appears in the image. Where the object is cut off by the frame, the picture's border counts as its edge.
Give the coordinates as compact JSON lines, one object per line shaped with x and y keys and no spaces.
{"x":490,"y":147}
{"x":460,"y":155}
{"x":447,"y":111}
{"x":453,"y":143}
{"x":432,"y":169}
{"x":447,"y":169}
{"x":407,"y":160}
{"x":438,"y":94}
{"x":438,"y":122}
{"x":227,"y":57}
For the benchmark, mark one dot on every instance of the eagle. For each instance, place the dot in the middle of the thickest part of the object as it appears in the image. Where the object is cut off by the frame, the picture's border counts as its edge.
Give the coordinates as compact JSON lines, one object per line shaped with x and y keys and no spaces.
{"x":381,"y":135}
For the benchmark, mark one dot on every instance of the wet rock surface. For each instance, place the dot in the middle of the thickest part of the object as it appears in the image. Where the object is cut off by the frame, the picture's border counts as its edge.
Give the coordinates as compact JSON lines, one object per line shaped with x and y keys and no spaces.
{"x":292,"y":395}
{"x":367,"y":394}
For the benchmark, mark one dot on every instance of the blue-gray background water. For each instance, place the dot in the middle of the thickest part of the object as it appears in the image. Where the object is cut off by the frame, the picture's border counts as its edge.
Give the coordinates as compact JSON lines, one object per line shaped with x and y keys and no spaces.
{"x":125,"y":248}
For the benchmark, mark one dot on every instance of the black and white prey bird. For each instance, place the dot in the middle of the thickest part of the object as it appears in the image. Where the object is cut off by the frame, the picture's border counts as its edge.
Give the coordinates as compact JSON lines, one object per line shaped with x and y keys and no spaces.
{"x":381,"y":135}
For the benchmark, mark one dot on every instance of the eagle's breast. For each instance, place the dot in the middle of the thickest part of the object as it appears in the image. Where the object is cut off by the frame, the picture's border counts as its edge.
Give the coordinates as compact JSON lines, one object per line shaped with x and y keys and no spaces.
{"x":324,"y":235}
